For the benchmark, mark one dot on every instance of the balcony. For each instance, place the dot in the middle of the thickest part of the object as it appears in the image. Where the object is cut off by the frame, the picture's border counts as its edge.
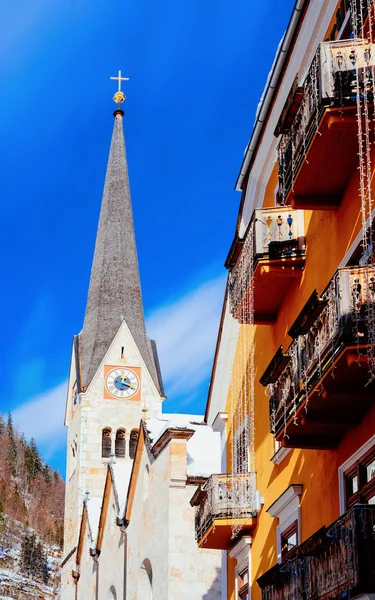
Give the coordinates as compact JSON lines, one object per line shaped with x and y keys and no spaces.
{"x":226,"y":505}
{"x":336,"y":562}
{"x":323,"y":385}
{"x":265,"y":262}
{"x":318,"y":150}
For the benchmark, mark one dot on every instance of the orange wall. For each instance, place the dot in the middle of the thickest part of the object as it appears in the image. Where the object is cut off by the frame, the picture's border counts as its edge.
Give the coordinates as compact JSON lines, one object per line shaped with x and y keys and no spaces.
{"x":231,"y":569}
{"x":329,"y":235}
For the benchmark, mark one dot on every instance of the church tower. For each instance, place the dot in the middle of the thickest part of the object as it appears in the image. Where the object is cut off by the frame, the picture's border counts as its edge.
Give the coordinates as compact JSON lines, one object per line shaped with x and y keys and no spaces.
{"x":114,"y":375}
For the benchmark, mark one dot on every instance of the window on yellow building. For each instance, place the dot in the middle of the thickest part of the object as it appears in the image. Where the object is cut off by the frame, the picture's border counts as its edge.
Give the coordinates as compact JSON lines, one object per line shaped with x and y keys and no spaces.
{"x":243,"y":585}
{"x":289,"y":540}
{"x":287,"y":510}
{"x":359,"y":480}
{"x":241,"y":448}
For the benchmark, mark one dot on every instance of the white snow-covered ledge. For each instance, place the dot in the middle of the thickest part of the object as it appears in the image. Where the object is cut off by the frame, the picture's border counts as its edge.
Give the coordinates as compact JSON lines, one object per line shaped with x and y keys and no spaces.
{"x":279,"y":455}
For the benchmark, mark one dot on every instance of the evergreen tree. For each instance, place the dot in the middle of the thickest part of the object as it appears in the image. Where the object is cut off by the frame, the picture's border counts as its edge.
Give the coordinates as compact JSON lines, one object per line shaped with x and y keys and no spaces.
{"x":44,"y":567}
{"x":33,"y":558}
{"x":29,"y":554}
{"x":3,"y":527}
{"x":2,"y":426}
{"x":2,"y":515}
{"x":9,"y":427}
{"x":33,"y":461}
{"x":12,"y":450}
{"x":47,"y":474}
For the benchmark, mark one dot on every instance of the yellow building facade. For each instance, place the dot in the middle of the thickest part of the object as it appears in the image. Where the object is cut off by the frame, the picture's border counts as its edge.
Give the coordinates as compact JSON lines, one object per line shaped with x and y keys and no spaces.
{"x":292,"y":388}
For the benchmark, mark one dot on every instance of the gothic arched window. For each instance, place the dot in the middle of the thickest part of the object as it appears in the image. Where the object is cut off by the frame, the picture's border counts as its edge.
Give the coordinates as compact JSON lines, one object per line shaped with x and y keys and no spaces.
{"x":120,"y":443}
{"x":133,"y":442}
{"x":106,"y":443}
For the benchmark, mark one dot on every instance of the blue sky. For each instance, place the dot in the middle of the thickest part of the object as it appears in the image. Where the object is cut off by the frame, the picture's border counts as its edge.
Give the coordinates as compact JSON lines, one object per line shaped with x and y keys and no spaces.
{"x":197,"y":69}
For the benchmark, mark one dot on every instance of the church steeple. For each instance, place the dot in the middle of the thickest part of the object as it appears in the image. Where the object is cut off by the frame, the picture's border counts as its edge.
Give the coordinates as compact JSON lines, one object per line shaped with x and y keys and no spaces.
{"x":115,"y":290}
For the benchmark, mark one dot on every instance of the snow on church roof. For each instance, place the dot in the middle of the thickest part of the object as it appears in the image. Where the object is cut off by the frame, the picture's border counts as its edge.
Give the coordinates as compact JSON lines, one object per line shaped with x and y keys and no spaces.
{"x":121,"y":473}
{"x":93,"y":507}
{"x":203,"y":448}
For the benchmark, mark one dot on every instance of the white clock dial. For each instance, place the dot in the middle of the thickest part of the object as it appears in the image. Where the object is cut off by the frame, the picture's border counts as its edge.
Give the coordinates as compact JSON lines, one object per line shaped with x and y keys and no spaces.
{"x":122,"y":383}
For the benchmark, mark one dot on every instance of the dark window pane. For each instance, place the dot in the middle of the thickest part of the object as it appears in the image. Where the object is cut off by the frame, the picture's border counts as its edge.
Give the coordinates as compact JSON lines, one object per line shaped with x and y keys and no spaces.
{"x":106,"y":443}
{"x":120,"y":444}
{"x":133,"y":443}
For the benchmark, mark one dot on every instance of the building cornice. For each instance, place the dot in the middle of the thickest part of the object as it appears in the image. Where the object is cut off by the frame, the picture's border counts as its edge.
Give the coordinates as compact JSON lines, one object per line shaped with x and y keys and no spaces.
{"x":169,"y":435}
{"x":293,"y":491}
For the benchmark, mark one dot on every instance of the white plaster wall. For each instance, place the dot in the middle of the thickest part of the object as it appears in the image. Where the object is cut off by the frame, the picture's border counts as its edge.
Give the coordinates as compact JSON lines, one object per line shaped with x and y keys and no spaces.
{"x":148,"y":528}
{"x":111,"y":559}
{"x":88,"y":568}
{"x":193,"y":573}
{"x":224,"y":363}
{"x":67,"y":586}
{"x":162,"y":530}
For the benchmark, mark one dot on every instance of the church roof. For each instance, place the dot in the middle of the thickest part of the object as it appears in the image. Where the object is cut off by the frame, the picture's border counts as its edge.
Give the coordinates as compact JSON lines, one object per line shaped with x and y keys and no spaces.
{"x":203,"y":448}
{"x":115,"y":289}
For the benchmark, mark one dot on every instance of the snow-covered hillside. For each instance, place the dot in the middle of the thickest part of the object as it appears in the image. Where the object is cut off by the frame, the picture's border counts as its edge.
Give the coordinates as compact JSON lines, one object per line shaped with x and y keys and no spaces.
{"x":19,"y":580}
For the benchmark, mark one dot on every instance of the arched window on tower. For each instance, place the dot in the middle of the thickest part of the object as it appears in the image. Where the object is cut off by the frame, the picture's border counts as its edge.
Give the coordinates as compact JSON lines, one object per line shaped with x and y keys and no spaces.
{"x":133,"y":442}
{"x":106,"y":442}
{"x":120,"y":443}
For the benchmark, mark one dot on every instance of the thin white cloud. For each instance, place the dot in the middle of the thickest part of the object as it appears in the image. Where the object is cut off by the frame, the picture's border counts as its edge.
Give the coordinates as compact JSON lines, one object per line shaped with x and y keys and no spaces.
{"x":185,"y":331}
{"x":42,"y":418}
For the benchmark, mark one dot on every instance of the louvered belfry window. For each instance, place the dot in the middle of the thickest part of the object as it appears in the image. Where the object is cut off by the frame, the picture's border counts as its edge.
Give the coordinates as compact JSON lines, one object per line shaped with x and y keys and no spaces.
{"x":120,"y":443}
{"x":106,"y":443}
{"x":133,"y":442}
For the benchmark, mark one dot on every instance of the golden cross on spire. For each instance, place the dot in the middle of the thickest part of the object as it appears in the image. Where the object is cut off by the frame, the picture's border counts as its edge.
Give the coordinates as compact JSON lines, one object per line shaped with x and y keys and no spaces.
{"x":119,"y":79}
{"x":119,"y":96}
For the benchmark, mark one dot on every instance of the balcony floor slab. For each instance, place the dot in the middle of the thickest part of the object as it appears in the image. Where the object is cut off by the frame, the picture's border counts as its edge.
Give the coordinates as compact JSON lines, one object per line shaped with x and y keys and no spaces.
{"x":219,"y":536}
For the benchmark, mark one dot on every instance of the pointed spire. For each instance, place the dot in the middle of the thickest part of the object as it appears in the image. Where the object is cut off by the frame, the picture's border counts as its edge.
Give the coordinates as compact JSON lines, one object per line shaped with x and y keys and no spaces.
{"x":115,"y":290}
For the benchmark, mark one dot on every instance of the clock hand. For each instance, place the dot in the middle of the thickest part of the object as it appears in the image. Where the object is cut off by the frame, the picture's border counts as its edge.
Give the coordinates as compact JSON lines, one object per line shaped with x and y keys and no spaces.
{"x":124,"y":382}
{"x":130,"y":385}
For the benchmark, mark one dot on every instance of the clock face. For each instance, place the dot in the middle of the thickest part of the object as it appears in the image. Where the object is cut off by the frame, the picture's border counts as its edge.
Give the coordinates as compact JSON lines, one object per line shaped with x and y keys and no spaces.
{"x":122,"y":382}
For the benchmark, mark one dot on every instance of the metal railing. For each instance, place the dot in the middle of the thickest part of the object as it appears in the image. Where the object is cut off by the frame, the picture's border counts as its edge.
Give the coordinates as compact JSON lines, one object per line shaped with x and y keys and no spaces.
{"x":338,"y":70}
{"x":348,"y":317}
{"x":226,"y":496}
{"x":277,"y":233}
{"x":336,"y":562}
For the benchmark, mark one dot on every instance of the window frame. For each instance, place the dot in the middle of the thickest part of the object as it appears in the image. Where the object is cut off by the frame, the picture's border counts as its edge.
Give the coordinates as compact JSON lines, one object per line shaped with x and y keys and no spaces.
{"x":287,"y":510}
{"x":285,"y":535}
{"x":345,"y":469}
{"x":365,"y":489}
{"x":243,"y":590}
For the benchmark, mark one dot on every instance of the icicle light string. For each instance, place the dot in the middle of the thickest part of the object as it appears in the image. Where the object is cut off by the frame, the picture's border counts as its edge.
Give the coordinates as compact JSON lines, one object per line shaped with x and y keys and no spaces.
{"x":365,"y":167}
{"x":242,"y":382}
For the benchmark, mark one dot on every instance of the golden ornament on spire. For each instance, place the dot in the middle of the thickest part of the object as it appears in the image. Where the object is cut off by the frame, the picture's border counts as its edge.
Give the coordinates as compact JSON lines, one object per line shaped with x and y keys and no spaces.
{"x":119,"y":96}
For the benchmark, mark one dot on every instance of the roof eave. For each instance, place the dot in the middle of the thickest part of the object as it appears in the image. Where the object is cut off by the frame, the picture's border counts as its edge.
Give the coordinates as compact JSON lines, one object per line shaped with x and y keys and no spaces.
{"x":271,"y":88}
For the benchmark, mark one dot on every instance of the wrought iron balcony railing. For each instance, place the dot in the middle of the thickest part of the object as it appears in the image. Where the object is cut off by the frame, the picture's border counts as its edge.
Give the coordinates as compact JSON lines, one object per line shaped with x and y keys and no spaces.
{"x":341,"y":72}
{"x":274,"y":236}
{"x":344,"y":317}
{"x":225,"y":496}
{"x":336,"y":562}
